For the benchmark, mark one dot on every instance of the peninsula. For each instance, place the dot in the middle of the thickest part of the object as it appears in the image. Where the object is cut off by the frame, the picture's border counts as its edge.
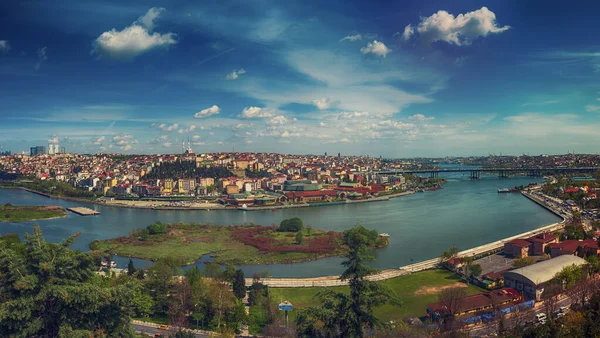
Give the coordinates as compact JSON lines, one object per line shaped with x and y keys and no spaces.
{"x":13,"y":213}
{"x":246,"y":244}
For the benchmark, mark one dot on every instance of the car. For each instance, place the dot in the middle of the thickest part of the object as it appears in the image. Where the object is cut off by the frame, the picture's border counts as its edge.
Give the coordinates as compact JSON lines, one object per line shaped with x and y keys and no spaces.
{"x":541,"y":318}
{"x":559,"y":314}
{"x":163,"y":327}
{"x":563,"y":309}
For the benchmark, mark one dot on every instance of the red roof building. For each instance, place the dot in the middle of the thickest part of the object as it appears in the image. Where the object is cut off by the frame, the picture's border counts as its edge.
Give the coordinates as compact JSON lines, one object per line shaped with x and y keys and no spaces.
{"x":517,"y":248}
{"x":574,"y":247}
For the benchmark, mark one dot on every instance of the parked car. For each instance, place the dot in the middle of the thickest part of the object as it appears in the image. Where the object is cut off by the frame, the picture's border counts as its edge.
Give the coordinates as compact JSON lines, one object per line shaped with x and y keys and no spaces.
{"x":541,"y":318}
{"x":163,"y":327}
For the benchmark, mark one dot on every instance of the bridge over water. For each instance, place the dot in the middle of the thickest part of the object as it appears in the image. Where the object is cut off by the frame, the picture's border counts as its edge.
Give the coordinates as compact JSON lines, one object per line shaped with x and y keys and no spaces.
{"x":475,"y":173}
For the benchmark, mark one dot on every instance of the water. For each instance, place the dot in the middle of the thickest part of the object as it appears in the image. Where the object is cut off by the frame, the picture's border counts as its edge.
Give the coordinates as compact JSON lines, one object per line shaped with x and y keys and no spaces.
{"x":464,"y":214}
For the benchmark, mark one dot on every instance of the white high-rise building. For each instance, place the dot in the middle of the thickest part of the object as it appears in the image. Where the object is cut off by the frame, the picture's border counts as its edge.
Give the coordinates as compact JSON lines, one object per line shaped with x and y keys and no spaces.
{"x":53,"y":149}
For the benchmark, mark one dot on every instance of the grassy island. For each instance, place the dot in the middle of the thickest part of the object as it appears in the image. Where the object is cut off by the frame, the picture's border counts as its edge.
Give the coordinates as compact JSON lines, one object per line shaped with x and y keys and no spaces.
{"x":14,"y":213}
{"x":238,"y":245}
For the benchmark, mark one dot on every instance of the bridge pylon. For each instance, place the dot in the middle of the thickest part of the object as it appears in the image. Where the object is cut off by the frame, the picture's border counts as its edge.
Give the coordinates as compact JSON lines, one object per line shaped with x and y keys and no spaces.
{"x":475,"y":174}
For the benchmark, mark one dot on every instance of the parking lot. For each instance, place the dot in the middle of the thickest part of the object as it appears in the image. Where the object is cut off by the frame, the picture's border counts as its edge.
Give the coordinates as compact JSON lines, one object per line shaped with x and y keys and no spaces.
{"x":497,"y":262}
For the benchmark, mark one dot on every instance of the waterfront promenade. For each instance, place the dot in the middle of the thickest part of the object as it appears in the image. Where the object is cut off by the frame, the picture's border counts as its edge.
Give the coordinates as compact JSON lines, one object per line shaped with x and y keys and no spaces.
{"x":329,"y":281}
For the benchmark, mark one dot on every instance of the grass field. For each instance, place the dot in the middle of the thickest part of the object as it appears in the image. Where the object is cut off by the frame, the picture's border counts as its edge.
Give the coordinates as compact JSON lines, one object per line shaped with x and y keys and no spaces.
{"x":188,"y":243}
{"x":12,"y":213}
{"x":415,"y":291}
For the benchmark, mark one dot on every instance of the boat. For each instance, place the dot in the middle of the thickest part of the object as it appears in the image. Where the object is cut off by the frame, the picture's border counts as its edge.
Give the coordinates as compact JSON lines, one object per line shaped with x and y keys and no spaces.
{"x":505,"y":190}
{"x":113,"y":264}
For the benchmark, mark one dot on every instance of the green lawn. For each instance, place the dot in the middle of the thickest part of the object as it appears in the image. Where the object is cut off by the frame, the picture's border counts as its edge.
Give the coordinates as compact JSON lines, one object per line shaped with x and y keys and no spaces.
{"x":11,"y":213}
{"x":405,"y":287}
{"x":188,"y":243}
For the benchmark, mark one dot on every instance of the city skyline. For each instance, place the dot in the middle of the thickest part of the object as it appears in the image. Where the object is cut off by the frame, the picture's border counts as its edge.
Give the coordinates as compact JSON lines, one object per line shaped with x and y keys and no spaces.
{"x":397,"y":79}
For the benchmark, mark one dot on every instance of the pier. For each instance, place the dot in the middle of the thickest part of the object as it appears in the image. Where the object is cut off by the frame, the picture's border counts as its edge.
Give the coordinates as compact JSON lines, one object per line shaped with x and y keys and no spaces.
{"x":84,"y":211}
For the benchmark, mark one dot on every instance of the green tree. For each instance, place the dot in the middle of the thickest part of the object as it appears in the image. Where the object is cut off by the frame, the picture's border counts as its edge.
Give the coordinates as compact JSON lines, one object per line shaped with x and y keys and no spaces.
{"x":130,"y":268}
{"x":475,"y":269}
{"x":239,"y":284}
{"x":346,"y":315}
{"x":570,"y":275}
{"x":184,"y":334}
{"x":212,"y":270}
{"x":291,"y":225}
{"x":193,"y":275}
{"x":299,"y":237}
{"x":47,"y":289}
{"x":157,"y":228}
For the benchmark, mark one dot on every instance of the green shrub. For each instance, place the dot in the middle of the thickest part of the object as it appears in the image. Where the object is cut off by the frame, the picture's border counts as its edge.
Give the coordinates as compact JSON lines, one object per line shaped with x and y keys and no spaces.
{"x":157,"y":228}
{"x":291,"y":225}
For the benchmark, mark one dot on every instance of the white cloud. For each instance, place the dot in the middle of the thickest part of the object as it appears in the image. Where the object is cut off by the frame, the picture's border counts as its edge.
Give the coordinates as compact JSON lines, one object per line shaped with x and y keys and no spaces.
{"x":189,"y":129}
{"x":322,"y":124}
{"x":196,"y":137}
{"x":133,"y":40}
{"x":408,"y":32}
{"x":592,"y":108}
{"x":342,"y":140}
{"x":255,"y":112}
{"x":352,"y":37}
{"x":214,"y":110}
{"x":166,"y":128}
{"x":167,"y":144}
{"x":241,"y":126}
{"x":126,"y":147}
{"x":4,"y":46}
{"x":420,"y":117}
{"x":235,"y":74}
{"x":324,"y":103}
{"x":148,"y":19}
{"x":54,"y":139}
{"x":376,"y":47}
{"x":99,"y":140}
{"x":122,"y":137}
{"x":278,"y":120}
{"x":42,"y":57}
{"x":287,"y":133}
{"x":459,"y":30}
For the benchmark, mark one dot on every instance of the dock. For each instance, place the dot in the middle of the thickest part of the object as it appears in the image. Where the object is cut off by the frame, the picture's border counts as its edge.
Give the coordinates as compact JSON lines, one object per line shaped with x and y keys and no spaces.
{"x":84,"y":211}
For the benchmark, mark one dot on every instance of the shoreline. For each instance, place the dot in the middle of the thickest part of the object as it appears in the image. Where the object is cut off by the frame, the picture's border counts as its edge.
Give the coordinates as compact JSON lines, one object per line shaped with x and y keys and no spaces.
{"x":216,"y":206}
{"x":265,"y":208}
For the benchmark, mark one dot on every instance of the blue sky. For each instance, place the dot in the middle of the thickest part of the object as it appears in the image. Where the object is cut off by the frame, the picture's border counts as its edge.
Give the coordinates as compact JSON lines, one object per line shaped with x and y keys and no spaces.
{"x":391,"y":78}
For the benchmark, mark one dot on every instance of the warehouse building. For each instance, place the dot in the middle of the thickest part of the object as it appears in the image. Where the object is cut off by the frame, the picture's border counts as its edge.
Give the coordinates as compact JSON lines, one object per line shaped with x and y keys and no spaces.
{"x":531,"y":280}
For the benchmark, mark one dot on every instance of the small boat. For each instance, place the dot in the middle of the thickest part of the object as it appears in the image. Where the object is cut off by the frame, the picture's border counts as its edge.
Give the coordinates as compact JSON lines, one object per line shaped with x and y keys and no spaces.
{"x":503,"y":190}
{"x":112,"y":264}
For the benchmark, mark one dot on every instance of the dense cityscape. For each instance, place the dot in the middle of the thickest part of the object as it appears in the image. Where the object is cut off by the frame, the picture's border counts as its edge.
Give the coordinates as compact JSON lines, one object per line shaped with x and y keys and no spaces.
{"x":299,"y":169}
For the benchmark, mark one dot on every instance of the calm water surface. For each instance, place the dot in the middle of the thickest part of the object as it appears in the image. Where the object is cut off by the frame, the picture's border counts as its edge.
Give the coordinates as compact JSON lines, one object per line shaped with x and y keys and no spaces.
{"x":465,"y":214}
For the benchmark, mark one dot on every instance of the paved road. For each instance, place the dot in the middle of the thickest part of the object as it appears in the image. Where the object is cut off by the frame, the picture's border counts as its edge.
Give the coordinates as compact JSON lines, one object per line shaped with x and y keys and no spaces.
{"x":152,"y":330}
{"x":492,"y":328}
